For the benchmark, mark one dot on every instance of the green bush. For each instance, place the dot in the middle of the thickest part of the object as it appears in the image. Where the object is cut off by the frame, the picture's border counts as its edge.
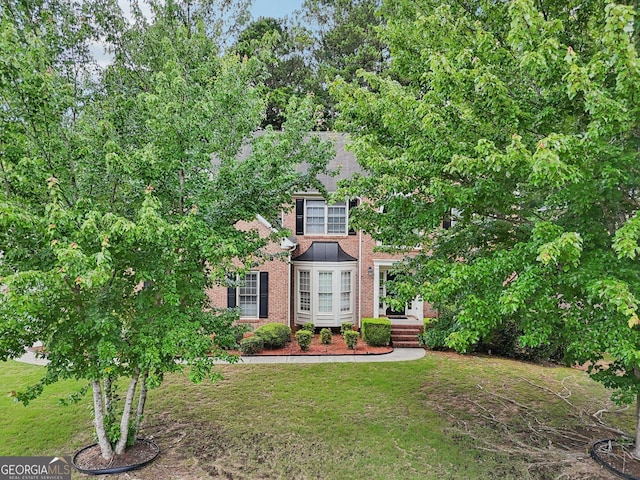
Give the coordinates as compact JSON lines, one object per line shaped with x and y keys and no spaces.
{"x":345,"y":327}
{"x":505,"y":340}
{"x":326,"y":336}
{"x":376,"y":331}
{"x":274,"y":335}
{"x":303,"y":337}
{"x":351,"y":338}
{"x":240,"y":329}
{"x":251,"y":345}
{"x":436,"y":332}
{"x":309,"y":326}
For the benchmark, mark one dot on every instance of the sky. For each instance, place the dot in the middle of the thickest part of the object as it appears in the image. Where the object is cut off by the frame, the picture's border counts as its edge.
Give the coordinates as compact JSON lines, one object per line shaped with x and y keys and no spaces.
{"x":259,"y":8}
{"x":274,"y":8}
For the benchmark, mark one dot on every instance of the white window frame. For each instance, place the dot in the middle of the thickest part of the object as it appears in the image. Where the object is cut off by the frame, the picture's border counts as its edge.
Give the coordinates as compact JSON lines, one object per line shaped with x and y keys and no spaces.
{"x":304,"y":298}
{"x":338,"y":293}
{"x":322,"y":203}
{"x":239,"y":294}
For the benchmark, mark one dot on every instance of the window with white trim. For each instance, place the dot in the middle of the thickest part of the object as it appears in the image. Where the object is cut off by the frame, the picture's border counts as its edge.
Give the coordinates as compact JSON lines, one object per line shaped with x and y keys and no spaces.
{"x":250,"y":294}
{"x":345,"y":291}
{"x":304,"y":282}
{"x":324,"y":219}
{"x":325,"y":292}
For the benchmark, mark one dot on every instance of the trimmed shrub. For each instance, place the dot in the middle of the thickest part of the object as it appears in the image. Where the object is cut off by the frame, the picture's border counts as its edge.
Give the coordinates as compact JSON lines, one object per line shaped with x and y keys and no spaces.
{"x":326,"y":336}
{"x":303,"y":337}
{"x":309,"y":326}
{"x":376,"y":331}
{"x":345,"y":327}
{"x":274,"y":335}
{"x":351,"y":338}
{"x":251,"y":345}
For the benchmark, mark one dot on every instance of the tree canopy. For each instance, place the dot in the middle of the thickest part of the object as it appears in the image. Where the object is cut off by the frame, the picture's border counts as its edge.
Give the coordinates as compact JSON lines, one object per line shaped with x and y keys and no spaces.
{"x":519,"y":122}
{"x":121,"y":192}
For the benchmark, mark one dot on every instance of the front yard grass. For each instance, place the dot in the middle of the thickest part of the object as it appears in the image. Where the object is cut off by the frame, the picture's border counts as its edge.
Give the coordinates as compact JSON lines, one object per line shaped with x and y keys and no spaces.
{"x":442,"y":417}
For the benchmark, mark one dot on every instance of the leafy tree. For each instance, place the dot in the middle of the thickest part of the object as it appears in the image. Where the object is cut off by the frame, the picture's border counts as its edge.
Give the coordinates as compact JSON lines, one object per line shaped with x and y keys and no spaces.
{"x":281,"y":47}
{"x":325,"y":39}
{"x":519,"y":122}
{"x":120,"y":199}
{"x":345,"y":40}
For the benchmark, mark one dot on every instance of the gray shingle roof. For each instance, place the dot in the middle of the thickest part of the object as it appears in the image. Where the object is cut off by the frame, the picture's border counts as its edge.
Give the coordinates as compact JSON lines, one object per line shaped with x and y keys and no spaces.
{"x":344,"y":162}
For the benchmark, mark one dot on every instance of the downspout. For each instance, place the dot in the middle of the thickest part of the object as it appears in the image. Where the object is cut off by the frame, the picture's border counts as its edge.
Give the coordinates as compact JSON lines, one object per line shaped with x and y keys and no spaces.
{"x":289,"y":245}
{"x":359,"y":278}
{"x":359,"y":317}
{"x":289,"y":288}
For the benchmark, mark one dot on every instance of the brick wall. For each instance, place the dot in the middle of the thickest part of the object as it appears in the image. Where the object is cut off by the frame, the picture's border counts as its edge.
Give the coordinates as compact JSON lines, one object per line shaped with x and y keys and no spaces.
{"x":359,"y":246}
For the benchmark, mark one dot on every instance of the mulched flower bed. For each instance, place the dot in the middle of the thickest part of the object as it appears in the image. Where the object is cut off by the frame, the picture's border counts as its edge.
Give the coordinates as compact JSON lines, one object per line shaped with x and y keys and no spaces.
{"x":337,"y":347}
{"x":90,"y":460}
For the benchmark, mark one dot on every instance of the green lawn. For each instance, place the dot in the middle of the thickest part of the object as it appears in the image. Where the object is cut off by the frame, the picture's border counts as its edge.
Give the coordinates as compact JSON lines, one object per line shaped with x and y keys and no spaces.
{"x":442,"y":417}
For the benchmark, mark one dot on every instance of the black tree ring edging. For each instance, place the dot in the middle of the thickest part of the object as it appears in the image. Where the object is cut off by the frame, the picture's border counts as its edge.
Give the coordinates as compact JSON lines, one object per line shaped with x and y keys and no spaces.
{"x":120,"y":469}
{"x":604,"y":463}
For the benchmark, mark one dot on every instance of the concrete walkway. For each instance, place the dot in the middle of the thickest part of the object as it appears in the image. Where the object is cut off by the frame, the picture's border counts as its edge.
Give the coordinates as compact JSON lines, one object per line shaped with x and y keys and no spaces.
{"x":398,"y":355}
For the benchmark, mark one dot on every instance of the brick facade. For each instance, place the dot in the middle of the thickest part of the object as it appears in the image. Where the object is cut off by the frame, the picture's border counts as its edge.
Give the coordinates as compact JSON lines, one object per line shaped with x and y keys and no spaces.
{"x":370,"y":267}
{"x":281,"y":289}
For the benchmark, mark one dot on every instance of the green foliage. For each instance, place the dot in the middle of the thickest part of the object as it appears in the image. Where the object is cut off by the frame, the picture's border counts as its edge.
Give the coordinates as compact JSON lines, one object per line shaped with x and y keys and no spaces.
{"x":344,"y":40}
{"x":309,"y":326}
{"x":274,"y":335}
{"x":326,"y":336}
{"x":251,"y":345}
{"x":239,"y":329}
{"x":518,"y":121}
{"x":304,"y":337}
{"x":437,"y":332}
{"x":376,"y":331}
{"x":345,"y":327}
{"x":506,"y":341}
{"x":351,"y":338}
{"x":114,"y":221}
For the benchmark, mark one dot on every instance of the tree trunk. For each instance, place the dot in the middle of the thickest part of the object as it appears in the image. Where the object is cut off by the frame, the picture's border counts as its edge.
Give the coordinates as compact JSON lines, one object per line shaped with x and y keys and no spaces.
{"x":106,"y":395}
{"x":98,"y":418}
{"x":636,"y":448}
{"x":126,"y":414}
{"x":141,"y":401}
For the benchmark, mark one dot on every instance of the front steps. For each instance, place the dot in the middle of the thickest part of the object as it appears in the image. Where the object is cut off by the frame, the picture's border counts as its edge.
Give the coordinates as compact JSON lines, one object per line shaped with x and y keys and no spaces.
{"x":405,"y":336}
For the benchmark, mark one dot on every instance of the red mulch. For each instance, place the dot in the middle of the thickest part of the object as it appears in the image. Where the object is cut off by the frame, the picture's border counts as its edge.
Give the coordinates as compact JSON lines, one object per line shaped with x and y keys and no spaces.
{"x":337,"y":347}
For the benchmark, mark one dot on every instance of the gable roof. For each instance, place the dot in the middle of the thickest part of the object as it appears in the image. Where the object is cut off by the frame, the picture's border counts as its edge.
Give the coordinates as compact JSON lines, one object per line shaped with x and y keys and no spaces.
{"x":344,"y":162}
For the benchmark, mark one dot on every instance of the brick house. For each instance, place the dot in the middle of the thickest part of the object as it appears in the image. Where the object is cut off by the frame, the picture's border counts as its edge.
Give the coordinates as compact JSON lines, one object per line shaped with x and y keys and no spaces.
{"x":326,"y":272}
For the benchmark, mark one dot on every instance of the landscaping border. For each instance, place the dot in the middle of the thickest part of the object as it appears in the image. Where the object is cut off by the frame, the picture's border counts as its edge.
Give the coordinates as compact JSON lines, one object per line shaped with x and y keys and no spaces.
{"x":605,"y":464}
{"x":120,"y":469}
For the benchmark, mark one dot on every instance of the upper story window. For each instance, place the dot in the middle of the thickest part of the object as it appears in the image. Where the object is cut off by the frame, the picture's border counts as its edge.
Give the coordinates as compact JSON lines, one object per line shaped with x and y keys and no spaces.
{"x":317,"y":217}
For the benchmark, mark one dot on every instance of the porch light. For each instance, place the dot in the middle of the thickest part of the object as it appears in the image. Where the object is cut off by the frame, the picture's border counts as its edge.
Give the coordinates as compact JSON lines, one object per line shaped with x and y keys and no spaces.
{"x":370,"y":271}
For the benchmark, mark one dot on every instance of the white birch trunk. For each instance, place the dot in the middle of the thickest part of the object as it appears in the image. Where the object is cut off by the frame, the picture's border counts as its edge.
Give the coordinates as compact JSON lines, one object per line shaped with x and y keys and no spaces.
{"x":126,"y":414}
{"x":141,"y":401}
{"x":106,"y":395}
{"x":98,"y":419}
